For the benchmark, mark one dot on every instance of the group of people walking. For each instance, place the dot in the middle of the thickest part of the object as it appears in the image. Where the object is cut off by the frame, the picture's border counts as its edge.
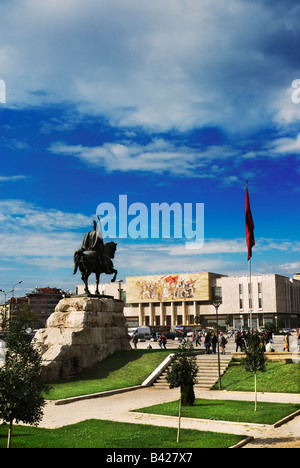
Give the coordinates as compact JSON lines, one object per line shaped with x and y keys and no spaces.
{"x":211,"y":341}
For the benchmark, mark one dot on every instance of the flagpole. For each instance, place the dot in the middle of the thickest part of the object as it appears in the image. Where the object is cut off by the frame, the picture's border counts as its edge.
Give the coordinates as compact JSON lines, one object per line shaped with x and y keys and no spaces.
{"x":250,"y":282}
{"x":250,"y":296}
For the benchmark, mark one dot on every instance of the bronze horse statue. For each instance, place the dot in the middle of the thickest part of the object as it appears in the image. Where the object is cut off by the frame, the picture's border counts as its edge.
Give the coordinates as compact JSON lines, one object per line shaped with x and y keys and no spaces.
{"x":89,"y":261}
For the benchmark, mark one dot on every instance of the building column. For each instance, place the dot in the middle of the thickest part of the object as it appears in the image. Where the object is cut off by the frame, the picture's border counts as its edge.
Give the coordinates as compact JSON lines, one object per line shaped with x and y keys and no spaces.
{"x":141,"y":314}
{"x":151,"y":321}
{"x":184,"y":317}
{"x":161,"y":306}
{"x":173,"y":318}
{"x":195,"y":311}
{"x":199,"y":315}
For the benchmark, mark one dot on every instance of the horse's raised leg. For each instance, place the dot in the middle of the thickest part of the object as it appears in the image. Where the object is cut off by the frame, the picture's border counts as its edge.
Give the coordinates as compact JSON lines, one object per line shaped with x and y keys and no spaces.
{"x":115,"y":276}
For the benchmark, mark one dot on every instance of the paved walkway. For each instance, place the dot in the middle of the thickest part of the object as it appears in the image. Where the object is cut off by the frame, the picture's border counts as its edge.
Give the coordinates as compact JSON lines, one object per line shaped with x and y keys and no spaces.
{"x":118,"y":408}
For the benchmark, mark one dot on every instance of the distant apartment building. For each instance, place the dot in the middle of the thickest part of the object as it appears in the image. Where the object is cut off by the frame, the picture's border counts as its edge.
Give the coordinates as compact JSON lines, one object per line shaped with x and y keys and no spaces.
{"x":15,"y":305}
{"x":43,"y":301}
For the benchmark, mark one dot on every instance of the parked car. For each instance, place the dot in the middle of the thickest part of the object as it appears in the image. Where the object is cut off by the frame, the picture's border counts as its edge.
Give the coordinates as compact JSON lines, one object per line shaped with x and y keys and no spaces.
{"x":174,"y":334}
{"x":190,"y":333}
{"x":141,"y":332}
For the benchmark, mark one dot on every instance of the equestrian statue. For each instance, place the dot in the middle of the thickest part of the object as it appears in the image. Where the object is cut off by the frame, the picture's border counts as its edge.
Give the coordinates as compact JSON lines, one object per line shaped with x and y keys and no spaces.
{"x":95,"y":257}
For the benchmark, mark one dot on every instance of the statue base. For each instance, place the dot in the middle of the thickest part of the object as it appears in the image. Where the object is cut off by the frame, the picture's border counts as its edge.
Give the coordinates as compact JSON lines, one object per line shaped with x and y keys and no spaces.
{"x":97,"y":296}
{"x":81,"y":332}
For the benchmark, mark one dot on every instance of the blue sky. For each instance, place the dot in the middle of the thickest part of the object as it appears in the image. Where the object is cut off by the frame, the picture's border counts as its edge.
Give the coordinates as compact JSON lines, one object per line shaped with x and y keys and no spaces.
{"x":164,"y":101}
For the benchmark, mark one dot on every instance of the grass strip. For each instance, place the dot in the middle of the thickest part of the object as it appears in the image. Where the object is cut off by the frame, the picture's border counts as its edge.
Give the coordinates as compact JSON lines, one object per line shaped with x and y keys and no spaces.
{"x":226,"y":410}
{"x":108,"y":434}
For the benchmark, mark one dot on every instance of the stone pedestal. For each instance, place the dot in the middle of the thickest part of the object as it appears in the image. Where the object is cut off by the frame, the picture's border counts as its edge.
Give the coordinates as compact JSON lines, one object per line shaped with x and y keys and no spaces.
{"x":81,"y":332}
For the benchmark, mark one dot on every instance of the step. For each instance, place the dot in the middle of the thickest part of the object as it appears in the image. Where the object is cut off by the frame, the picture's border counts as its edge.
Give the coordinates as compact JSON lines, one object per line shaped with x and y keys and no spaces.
{"x":208,"y":373}
{"x":202,"y":378}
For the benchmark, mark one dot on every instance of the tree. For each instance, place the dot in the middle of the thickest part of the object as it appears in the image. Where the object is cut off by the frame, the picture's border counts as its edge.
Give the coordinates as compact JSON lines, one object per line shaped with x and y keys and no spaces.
{"x":27,"y":317}
{"x":255,"y":358}
{"x":21,"y":386}
{"x":183,"y":374}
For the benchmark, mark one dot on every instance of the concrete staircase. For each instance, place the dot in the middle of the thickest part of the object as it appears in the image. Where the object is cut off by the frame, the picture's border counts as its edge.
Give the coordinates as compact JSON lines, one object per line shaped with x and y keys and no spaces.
{"x":207,"y":374}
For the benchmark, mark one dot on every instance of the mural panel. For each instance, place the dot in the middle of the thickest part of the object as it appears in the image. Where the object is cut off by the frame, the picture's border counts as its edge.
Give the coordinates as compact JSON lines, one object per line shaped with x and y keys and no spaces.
{"x":168,"y":288}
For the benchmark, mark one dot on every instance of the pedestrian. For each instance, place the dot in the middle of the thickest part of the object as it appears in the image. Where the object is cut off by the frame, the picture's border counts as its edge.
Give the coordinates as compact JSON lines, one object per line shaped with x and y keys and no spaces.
{"x":135,"y":340}
{"x":270,"y":337}
{"x":164,"y":341}
{"x":207,"y":343}
{"x":159,"y":341}
{"x":238,"y":343}
{"x":287,"y":342}
{"x":198,"y":339}
{"x":214,"y":342}
{"x":243,"y":341}
{"x":262,"y":343}
{"x":269,"y":347}
{"x":223,"y":343}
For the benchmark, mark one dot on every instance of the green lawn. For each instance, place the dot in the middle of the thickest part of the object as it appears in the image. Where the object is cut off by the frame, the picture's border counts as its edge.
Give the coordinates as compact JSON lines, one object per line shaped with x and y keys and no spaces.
{"x":280,"y":377}
{"x":123,"y":369}
{"x":226,"y":410}
{"x":107,"y":434}
{"x":127,"y":369}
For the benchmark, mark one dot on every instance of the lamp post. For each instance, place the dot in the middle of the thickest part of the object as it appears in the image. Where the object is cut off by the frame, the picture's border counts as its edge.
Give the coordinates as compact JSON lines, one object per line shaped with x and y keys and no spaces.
{"x":217,"y":301}
{"x":12,"y":300}
{"x":12,"y":297}
{"x":5,"y":309}
{"x":120,"y":289}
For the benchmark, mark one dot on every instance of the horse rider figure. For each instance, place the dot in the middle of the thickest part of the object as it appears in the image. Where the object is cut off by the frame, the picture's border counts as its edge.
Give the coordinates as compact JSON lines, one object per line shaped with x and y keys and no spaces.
{"x":93,"y":242}
{"x":95,"y":257}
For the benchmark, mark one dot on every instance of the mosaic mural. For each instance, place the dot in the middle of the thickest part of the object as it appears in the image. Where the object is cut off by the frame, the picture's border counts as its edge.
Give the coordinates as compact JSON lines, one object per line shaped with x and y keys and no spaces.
{"x":168,"y":288}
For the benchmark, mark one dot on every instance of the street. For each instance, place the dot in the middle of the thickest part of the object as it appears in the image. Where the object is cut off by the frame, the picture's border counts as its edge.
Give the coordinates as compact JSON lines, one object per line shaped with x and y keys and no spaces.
{"x":230,"y":347}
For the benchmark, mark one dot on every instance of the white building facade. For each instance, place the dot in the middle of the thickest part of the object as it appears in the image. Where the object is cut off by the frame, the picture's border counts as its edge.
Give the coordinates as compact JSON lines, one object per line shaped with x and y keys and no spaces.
{"x":268,"y":298}
{"x":186,"y":299}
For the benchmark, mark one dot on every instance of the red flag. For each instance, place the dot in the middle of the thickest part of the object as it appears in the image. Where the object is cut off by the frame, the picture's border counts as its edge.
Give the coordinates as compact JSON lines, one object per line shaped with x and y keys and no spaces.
{"x":249,"y":225}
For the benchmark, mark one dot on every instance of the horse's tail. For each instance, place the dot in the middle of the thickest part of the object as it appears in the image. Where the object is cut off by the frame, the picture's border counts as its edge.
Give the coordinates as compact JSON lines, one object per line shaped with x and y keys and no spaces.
{"x":77,"y":258}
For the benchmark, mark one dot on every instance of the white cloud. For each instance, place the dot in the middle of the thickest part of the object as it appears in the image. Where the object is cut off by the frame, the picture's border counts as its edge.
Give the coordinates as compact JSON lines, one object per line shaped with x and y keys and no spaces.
{"x":44,"y":238}
{"x":158,"y":156}
{"x":287,"y":145}
{"x":26,"y":246}
{"x":35,"y":241}
{"x":156,"y":64}
{"x":291,"y":267}
{"x":16,"y":178}
{"x":224,"y":256}
{"x":17,"y":215}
